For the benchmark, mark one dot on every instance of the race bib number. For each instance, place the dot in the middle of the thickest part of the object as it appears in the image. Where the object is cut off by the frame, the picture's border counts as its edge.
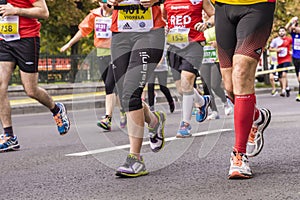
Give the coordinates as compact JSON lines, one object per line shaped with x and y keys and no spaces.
{"x":102,"y":27}
{"x":283,"y":52}
{"x":178,"y":37}
{"x":134,"y":18}
{"x":9,"y":28}
{"x":297,"y":43}
{"x":209,"y":55}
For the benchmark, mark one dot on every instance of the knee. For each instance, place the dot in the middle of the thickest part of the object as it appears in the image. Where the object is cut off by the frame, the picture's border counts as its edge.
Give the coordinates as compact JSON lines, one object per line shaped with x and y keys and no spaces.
{"x":31,"y":92}
{"x":131,"y":102}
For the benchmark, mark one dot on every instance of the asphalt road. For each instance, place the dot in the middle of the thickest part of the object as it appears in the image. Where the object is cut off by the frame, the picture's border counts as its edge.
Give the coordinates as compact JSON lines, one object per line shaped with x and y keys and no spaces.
{"x":81,"y":165}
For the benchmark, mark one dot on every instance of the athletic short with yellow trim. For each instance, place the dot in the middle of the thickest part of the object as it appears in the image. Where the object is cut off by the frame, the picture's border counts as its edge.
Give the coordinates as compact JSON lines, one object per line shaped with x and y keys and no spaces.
{"x":24,"y":52}
{"x":242,"y":29}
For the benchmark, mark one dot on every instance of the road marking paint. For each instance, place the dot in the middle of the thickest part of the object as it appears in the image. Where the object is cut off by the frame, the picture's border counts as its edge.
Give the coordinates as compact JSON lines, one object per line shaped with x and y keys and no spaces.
{"x":108,"y":149}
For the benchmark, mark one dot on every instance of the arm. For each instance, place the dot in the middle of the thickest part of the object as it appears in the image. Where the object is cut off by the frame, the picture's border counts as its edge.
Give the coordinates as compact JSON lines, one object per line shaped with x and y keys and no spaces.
{"x":74,"y":39}
{"x":148,"y":3}
{"x":210,"y":11}
{"x":291,"y":26}
{"x":39,"y":10}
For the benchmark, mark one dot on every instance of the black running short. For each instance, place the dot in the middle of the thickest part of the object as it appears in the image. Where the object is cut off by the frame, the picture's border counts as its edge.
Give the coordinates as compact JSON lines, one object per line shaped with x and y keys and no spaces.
{"x":296,"y":63}
{"x":187,"y":59}
{"x":242,"y":29}
{"x":24,"y":52}
{"x":135,"y":56}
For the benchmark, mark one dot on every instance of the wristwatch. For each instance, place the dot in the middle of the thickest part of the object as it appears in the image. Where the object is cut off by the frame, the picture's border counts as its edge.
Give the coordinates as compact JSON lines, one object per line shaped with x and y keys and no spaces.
{"x":208,"y":25}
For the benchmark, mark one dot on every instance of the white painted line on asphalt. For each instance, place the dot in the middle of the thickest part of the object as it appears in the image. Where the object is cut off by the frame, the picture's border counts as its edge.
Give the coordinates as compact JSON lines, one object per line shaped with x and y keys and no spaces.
{"x":108,"y":149}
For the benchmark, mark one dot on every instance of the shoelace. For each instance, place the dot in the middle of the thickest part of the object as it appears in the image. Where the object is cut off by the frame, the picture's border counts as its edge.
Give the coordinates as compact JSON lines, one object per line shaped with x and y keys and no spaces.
{"x":252,"y":134}
{"x":237,"y":160}
{"x":185,"y":126}
{"x":58,"y":119}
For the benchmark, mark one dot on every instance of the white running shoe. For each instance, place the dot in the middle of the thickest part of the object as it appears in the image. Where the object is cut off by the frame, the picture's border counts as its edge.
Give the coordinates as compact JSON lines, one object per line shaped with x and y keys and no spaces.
{"x":228,"y":107}
{"x":213,"y":115}
{"x":256,"y":140}
{"x":239,"y":166}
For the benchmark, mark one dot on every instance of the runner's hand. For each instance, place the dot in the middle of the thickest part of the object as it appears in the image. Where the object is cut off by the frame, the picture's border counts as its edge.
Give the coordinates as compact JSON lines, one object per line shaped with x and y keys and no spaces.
{"x":8,"y":9}
{"x":147,"y":3}
{"x":114,"y":2}
{"x":200,"y":26}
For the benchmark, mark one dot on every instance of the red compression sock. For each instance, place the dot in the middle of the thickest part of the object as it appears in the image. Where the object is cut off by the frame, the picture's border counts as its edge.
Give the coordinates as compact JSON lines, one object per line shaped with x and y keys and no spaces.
{"x":244,"y":106}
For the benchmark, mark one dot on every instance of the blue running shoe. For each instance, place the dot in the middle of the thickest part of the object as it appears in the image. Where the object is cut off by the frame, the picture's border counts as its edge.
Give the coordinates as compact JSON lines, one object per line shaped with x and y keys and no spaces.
{"x":184,"y":130}
{"x":8,"y":143}
{"x":202,"y":112}
{"x":62,"y":120}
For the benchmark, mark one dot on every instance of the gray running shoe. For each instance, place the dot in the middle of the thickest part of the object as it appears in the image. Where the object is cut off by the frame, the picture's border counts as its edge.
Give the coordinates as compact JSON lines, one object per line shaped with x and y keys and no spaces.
{"x":157,"y":138}
{"x":133,"y":167}
{"x":256,"y":139}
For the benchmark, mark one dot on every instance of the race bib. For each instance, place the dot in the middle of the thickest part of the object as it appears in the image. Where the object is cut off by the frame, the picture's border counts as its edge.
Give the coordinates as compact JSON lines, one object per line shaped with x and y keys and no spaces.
{"x":134,"y":18}
{"x":283,"y":52}
{"x":297,"y":43}
{"x":102,"y":27}
{"x":209,"y":55}
{"x":178,"y":37}
{"x":9,"y":28}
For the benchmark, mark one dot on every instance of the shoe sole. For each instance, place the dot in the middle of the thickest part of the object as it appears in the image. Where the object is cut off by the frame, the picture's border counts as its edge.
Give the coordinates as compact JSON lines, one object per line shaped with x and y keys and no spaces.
{"x":157,"y":149}
{"x":126,"y":175}
{"x":11,"y":148}
{"x":183,"y":136}
{"x":238,"y":175}
{"x":206,"y":111}
{"x":262,"y":133}
{"x":104,"y":127}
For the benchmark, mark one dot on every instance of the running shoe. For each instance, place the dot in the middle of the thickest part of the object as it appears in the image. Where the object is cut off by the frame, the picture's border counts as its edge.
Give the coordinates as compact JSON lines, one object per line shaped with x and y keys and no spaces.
{"x":184,"y":130}
{"x":152,"y":109}
{"x":157,"y":138}
{"x":172,"y":106}
{"x":288,"y":90}
{"x":105,"y":123}
{"x":62,"y":120}
{"x":195,"y":111}
{"x":123,"y":120}
{"x":298,"y":98}
{"x":213,"y":115}
{"x":274,"y":92}
{"x":228,"y":107}
{"x":283,"y":94}
{"x":256,"y":140}
{"x":8,"y":143}
{"x":202,"y":111}
{"x":239,"y":166}
{"x":133,"y":167}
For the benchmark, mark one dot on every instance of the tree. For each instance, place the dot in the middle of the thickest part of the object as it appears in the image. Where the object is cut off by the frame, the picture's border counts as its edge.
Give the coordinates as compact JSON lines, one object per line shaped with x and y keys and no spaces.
{"x":65,"y":15}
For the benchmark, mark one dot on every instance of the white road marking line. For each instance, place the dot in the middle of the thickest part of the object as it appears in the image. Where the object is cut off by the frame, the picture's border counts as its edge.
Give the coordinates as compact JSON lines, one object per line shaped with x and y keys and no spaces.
{"x":108,"y":149}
